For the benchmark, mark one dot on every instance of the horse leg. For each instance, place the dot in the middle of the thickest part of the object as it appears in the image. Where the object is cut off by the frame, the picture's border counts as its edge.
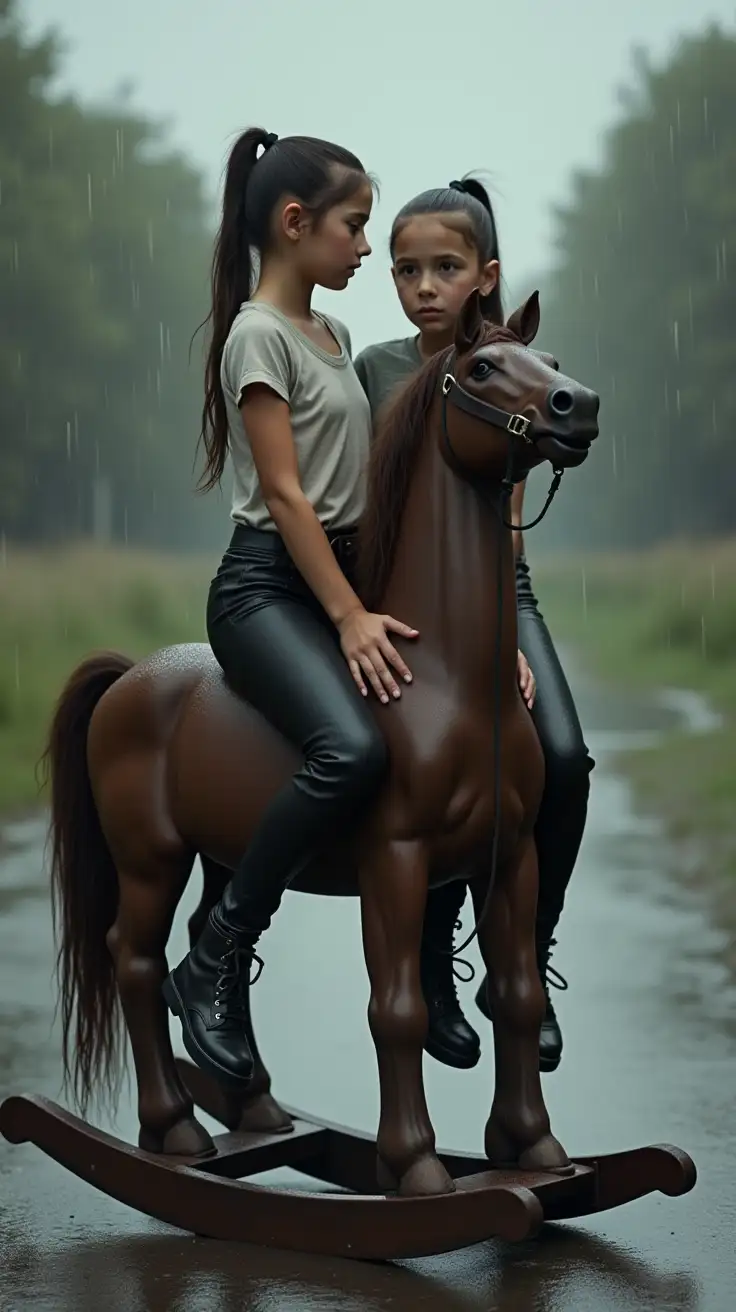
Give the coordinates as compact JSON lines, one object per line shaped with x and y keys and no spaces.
{"x":149,"y":894}
{"x":393,"y":893}
{"x":255,"y":1110}
{"x":518,"y":1130}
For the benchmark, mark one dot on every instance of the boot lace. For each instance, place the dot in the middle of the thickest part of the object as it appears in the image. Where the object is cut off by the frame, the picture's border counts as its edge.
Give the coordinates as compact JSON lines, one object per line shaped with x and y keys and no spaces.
{"x":445,"y":998}
{"x":234,"y":981}
{"x":461,"y":961}
{"x":550,"y":977}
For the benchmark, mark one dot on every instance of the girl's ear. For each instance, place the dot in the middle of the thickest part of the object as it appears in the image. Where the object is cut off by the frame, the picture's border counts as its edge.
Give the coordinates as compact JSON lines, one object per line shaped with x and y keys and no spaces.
{"x":490,"y":277}
{"x":292,"y":220}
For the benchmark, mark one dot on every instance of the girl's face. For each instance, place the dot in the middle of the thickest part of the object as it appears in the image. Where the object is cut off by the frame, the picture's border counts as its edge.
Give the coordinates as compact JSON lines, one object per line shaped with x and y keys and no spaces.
{"x":329,"y":253}
{"x":435,"y":269}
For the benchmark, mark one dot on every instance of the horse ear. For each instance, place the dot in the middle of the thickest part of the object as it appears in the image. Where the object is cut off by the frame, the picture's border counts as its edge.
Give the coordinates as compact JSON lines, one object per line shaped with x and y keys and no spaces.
{"x":524,"y":322}
{"x":470,"y":324}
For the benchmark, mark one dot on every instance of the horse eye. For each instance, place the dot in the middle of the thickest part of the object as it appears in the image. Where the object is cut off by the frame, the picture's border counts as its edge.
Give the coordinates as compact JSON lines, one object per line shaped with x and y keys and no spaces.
{"x":481,"y":369}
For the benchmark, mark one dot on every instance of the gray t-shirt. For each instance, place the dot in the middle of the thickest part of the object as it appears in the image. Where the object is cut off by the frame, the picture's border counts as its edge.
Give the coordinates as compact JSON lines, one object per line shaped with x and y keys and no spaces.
{"x":330,"y":416}
{"x":384,"y":367}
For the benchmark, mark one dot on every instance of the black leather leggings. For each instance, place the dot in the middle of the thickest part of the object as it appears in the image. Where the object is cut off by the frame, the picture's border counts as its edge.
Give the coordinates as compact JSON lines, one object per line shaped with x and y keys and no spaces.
{"x":564,"y":808}
{"x":563,"y":811}
{"x":279,"y":650}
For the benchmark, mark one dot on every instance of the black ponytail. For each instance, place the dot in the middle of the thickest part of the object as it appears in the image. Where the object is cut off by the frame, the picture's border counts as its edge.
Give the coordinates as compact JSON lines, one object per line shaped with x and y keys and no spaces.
{"x":261,"y":169}
{"x":469,"y":199}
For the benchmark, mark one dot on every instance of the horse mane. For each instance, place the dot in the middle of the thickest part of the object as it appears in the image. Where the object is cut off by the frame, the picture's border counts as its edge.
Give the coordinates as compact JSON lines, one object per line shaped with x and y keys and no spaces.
{"x":396,"y":445}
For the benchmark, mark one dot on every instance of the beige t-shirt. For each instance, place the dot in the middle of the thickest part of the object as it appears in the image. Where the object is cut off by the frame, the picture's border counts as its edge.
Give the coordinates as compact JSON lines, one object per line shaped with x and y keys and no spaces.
{"x":330,"y":414}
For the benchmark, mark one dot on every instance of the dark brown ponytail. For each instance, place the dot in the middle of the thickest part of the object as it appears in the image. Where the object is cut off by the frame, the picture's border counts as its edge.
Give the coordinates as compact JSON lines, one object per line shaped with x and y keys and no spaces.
{"x":320,"y":175}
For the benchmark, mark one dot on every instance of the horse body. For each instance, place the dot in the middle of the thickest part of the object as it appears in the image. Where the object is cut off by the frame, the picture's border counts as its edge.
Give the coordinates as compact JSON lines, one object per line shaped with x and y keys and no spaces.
{"x":156,"y":762}
{"x":179,"y":758}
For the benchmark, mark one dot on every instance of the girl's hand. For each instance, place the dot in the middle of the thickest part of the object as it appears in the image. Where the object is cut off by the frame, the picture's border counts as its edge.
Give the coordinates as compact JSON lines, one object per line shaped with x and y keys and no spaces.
{"x":527,"y":682}
{"x":367,"y":647}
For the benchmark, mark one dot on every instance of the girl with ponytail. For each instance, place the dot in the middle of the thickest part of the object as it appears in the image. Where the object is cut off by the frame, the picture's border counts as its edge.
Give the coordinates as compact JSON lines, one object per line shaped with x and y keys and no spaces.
{"x":283,"y":401}
{"x":444,"y":244}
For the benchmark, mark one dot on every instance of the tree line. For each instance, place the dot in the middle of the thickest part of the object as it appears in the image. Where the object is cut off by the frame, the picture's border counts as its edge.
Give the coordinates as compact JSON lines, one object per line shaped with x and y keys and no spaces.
{"x":105,"y":241}
{"x":641,"y":305}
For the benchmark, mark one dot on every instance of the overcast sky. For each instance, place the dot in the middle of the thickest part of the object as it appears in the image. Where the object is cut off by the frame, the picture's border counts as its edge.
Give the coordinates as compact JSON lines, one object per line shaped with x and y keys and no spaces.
{"x":423,"y":91}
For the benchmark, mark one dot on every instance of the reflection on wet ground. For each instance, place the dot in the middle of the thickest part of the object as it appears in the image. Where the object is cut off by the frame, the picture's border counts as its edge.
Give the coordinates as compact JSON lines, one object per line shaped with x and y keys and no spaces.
{"x":650,"y":1055}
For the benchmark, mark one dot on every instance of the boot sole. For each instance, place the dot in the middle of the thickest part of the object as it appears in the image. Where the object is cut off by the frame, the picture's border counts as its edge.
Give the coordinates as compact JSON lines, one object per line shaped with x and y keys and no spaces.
{"x":448,"y":1058}
{"x":546,"y":1064}
{"x":200,"y":1058}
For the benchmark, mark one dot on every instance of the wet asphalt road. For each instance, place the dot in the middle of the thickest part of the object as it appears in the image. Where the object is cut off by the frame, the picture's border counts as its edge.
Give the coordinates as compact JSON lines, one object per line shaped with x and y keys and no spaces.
{"x":650,"y":1056}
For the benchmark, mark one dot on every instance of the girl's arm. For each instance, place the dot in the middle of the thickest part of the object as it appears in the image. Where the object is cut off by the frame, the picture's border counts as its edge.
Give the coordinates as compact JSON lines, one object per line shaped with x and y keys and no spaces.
{"x":363,"y":636}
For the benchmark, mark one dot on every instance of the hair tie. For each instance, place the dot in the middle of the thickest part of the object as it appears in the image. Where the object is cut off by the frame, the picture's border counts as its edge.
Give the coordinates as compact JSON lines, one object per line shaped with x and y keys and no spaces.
{"x":270,"y":140}
{"x":459,"y":186}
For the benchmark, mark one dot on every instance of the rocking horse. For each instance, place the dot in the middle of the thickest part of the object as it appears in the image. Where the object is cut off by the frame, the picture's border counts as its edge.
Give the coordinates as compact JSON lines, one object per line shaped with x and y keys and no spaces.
{"x":154,"y":763}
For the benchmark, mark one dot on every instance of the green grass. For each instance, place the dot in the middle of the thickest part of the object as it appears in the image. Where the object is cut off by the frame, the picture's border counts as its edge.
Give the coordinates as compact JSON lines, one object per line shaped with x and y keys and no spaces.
{"x":664,"y":617}
{"x":56,"y":608}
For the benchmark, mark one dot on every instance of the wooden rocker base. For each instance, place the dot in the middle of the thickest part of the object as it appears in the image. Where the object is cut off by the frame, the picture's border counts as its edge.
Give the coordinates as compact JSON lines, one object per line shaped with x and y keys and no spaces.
{"x":208,"y":1197}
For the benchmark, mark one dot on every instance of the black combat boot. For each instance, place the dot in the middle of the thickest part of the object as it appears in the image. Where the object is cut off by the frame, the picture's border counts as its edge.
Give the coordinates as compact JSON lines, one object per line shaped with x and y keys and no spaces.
{"x":550,"y":1038}
{"x":450,"y":1039}
{"x":208,"y":993}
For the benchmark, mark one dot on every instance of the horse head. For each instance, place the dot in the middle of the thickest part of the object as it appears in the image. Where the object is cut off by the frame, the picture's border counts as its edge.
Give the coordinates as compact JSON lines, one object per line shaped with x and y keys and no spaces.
{"x":506,"y":407}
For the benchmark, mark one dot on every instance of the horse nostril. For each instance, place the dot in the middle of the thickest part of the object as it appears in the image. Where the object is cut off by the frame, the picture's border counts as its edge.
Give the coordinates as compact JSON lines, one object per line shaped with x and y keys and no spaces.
{"x":561,"y":402}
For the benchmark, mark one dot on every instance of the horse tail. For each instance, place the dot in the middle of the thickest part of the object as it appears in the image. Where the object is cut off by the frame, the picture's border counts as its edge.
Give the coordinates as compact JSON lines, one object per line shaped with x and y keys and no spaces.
{"x":84,"y":888}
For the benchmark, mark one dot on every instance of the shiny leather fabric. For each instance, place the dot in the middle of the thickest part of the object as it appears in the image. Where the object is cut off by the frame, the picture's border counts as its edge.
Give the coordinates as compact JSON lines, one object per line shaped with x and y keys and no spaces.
{"x":207,"y":992}
{"x":562,"y":814}
{"x":279,"y":650}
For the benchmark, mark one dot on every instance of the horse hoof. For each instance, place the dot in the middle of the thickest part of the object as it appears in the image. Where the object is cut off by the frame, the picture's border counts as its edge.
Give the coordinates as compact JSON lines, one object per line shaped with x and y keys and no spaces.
{"x":264,"y":1116}
{"x":546,"y":1156}
{"x":425,"y":1178}
{"x":185,"y":1139}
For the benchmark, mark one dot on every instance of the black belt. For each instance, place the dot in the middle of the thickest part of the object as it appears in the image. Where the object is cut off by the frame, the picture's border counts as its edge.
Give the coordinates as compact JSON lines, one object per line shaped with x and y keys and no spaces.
{"x":340,"y":539}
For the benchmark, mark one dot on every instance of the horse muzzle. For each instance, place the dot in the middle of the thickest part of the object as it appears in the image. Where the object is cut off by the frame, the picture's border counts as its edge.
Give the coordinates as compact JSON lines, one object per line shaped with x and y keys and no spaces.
{"x":570,"y":426}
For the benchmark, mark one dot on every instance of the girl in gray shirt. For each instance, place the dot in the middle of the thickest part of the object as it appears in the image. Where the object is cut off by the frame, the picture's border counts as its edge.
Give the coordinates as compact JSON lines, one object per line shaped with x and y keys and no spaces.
{"x":284,"y":620}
